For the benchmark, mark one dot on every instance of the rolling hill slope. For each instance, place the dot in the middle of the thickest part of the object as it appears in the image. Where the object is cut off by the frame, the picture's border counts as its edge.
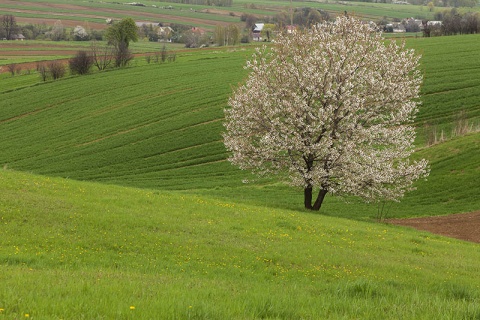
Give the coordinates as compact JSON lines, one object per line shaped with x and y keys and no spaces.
{"x":451,"y":86}
{"x":152,"y":126}
{"x":82,"y":250}
{"x":213,"y":248}
{"x":159,"y":126}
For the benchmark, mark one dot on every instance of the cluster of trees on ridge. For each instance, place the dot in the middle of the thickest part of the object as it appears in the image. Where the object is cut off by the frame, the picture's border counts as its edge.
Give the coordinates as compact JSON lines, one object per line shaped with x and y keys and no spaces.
{"x":454,"y":22}
{"x":219,"y":3}
{"x":436,"y":3}
{"x":9,"y":30}
{"x":445,"y":23}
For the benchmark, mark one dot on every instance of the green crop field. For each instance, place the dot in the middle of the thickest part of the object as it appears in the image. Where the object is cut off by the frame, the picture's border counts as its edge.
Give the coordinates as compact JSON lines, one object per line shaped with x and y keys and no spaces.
{"x":164,"y":228}
{"x":164,"y":118}
{"x":159,"y":125}
{"x":451,"y":83}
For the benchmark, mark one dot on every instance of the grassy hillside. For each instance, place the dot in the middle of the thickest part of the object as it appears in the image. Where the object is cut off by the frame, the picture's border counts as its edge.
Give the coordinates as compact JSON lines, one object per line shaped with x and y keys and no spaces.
{"x":159,"y":126}
{"x":135,"y":124}
{"x":167,"y":229}
{"x":77,"y":250}
{"x":451,"y":89}
{"x":452,"y":187}
{"x":152,"y":126}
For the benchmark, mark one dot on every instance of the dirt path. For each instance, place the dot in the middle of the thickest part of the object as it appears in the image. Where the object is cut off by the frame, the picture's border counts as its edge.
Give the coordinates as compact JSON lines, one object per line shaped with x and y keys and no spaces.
{"x":464,"y":226}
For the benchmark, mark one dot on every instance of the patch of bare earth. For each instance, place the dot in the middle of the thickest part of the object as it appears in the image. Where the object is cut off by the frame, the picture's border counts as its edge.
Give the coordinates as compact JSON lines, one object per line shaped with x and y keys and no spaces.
{"x":36,"y":53}
{"x":463,"y":226}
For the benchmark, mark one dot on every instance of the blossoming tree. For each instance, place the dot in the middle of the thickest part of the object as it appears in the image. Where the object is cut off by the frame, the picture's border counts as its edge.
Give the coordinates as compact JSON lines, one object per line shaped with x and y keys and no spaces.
{"x":329,"y":108}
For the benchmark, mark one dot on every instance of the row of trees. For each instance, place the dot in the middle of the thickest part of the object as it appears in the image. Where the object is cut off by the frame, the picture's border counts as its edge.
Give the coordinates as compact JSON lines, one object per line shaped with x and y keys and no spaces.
{"x":227,"y":35}
{"x":115,"y":53}
{"x":9,"y":30}
{"x":302,"y":17}
{"x":454,"y":22}
{"x":8,"y":27}
{"x":219,"y":3}
{"x":437,"y":3}
{"x":445,"y":3}
{"x":100,"y":56}
{"x":188,"y":35}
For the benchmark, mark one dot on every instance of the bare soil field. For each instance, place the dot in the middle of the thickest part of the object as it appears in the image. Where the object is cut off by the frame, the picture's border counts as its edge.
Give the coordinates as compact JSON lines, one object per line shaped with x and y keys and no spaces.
{"x":41,"y":53}
{"x":463,"y":226}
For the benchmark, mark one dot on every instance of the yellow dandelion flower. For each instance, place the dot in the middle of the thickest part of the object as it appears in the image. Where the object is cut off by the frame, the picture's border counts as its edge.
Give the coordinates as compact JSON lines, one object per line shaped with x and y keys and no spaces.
{"x":27,"y":315}
{"x":1,"y":309}
{"x":132,"y":307}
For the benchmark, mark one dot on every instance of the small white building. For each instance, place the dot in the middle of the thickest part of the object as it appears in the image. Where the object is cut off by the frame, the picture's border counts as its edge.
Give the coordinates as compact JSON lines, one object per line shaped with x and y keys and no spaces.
{"x":19,"y":37}
{"x":434,"y":23}
{"x":257,"y":31}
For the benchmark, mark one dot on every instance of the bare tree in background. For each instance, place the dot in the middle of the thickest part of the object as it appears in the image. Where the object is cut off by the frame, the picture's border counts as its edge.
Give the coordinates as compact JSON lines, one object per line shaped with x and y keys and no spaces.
{"x":102,"y":55}
{"x":12,"y":68}
{"x":43,"y":71}
{"x":81,"y":63}
{"x":9,"y":26}
{"x":56,"y":69}
{"x":123,"y":55}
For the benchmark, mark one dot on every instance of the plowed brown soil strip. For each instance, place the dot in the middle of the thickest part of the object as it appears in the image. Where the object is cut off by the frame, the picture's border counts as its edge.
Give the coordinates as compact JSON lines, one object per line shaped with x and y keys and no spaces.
{"x":36,"y":53}
{"x":464,"y":226}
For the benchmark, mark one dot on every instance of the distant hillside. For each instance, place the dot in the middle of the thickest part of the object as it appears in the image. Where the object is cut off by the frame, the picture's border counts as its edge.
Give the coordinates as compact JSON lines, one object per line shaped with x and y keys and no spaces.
{"x":94,"y":14}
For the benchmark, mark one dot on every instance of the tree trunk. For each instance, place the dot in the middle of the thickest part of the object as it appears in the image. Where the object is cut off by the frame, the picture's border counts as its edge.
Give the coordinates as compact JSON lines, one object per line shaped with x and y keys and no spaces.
{"x":308,"y":198}
{"x":318,"y":203}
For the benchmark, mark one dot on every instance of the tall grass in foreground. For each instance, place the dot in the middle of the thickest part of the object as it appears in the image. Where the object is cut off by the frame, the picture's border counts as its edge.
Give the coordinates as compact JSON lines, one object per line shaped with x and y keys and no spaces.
{"x":75,"y":250}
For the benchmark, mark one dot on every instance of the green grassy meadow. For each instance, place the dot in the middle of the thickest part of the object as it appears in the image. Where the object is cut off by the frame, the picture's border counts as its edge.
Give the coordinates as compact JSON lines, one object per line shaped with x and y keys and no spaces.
{"x":451,"y":79}
{"x":79,"y":250}
{"x":162,"y":227}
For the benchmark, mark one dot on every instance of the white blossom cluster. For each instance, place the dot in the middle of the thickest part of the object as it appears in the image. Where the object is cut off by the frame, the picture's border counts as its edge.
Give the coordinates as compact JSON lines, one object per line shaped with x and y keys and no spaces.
{"x":79,"y":32}
{"x":331,"y":107}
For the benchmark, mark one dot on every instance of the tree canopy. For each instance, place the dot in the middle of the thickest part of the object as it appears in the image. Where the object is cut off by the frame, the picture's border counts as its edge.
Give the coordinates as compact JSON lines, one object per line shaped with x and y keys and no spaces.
{"x":8,"y":26}
{"x":121,"y":33}
{"x":329,"y":108}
